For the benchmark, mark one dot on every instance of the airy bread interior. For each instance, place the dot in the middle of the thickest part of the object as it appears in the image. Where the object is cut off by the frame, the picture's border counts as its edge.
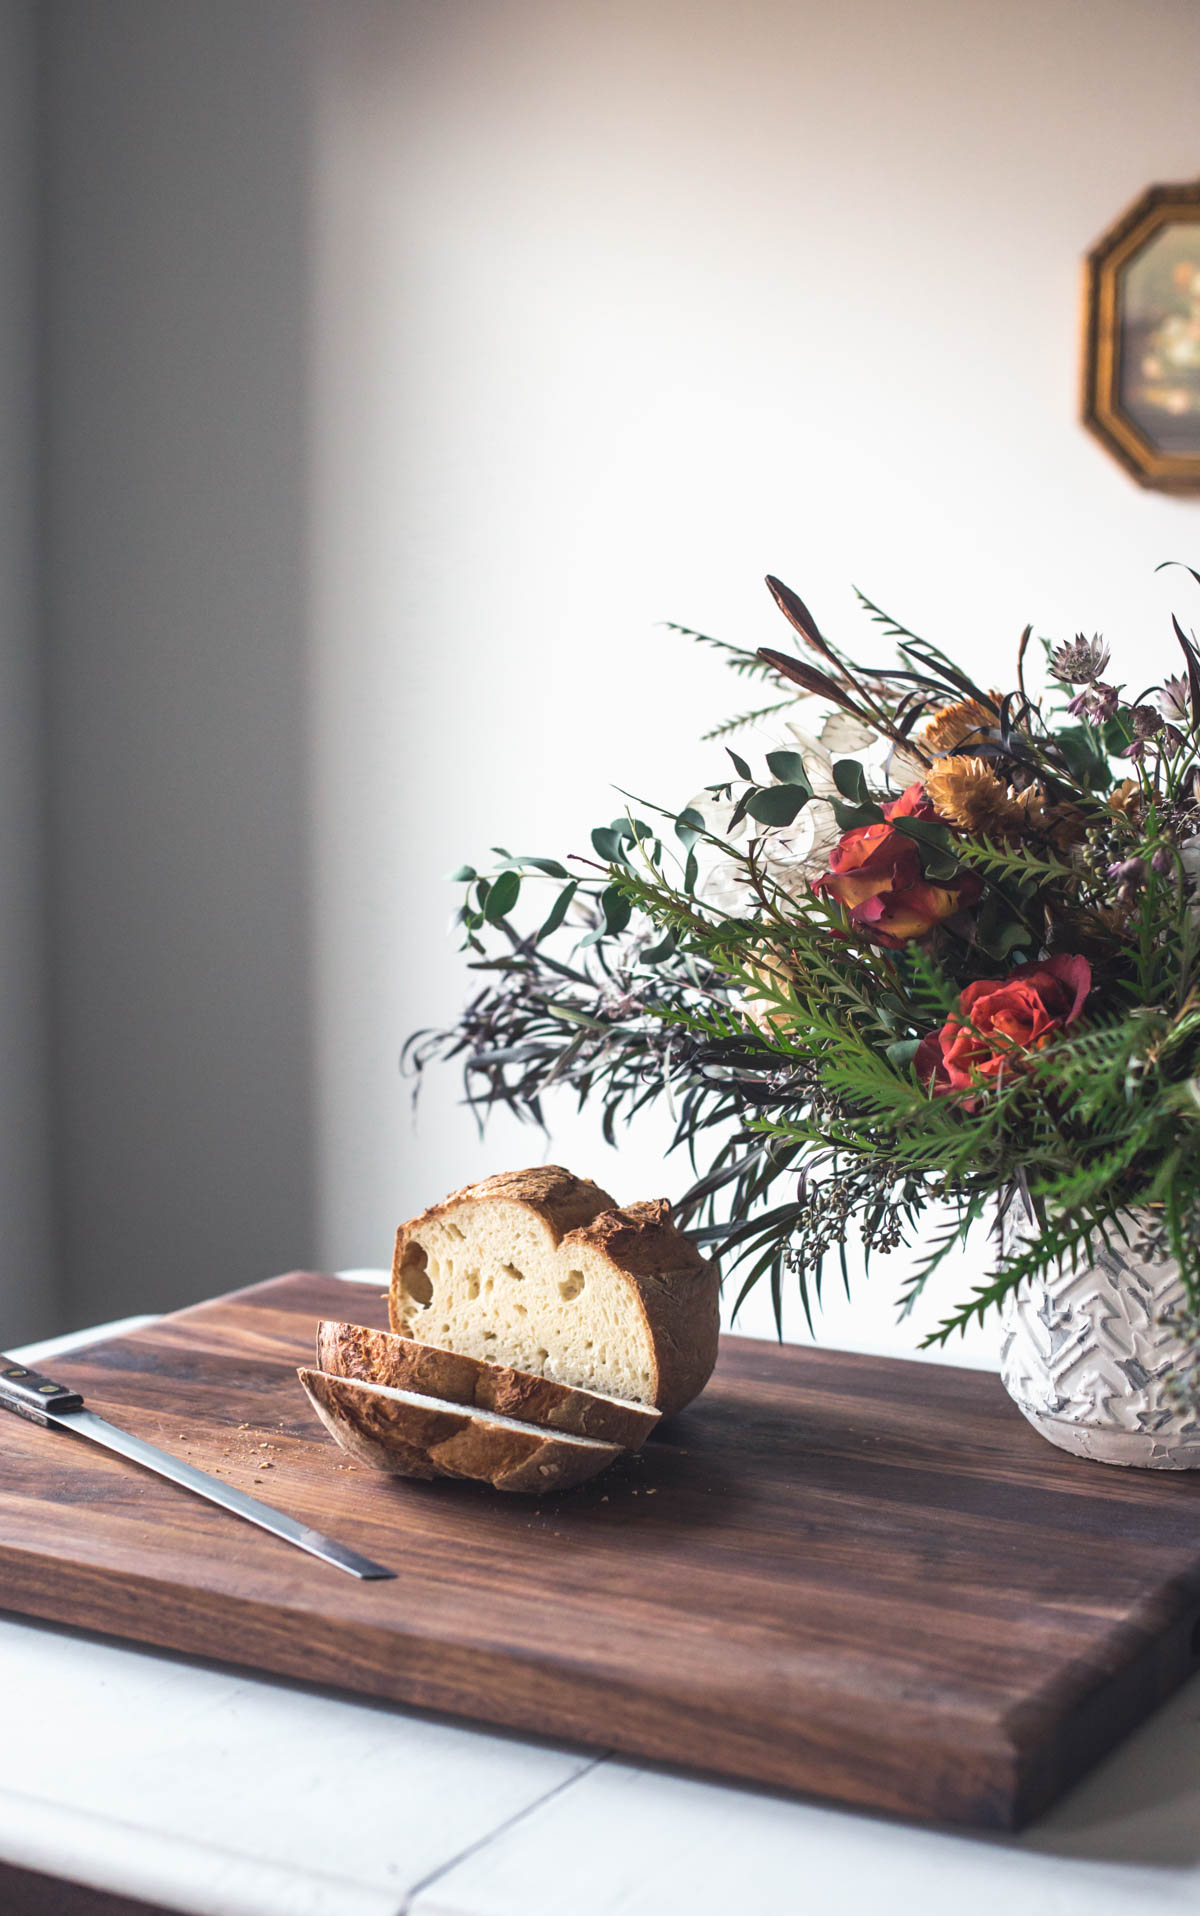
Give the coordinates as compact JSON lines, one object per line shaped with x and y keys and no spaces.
{"x":489,"y":1281}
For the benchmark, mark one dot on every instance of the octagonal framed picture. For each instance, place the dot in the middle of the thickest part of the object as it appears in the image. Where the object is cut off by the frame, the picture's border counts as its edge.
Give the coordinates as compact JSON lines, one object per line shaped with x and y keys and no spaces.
{"x":1141,"y":370}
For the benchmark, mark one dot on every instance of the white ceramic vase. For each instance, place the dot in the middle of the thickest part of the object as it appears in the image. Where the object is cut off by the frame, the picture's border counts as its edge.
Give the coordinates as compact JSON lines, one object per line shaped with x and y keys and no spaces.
{"x":1087,"y":1357}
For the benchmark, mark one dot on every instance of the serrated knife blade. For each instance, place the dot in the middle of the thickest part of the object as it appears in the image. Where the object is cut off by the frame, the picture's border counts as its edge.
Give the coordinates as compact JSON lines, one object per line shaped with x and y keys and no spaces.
{"x":41,"y":1401}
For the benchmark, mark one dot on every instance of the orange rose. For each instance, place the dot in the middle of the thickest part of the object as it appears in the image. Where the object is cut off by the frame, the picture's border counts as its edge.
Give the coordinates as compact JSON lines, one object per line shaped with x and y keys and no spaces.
{"x":875,"y":872}
{"x":1009,"y":1016}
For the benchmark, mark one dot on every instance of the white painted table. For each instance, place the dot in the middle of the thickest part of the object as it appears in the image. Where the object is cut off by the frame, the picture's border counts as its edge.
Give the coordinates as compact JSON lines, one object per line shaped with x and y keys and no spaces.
{"x":198,"y":1789}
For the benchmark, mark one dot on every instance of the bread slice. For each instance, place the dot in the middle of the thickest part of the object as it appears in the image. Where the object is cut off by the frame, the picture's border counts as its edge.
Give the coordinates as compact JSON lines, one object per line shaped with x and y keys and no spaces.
{"x":544,"y":1272}
{"x":409,"y":1435}
{"x":379,"y":1357}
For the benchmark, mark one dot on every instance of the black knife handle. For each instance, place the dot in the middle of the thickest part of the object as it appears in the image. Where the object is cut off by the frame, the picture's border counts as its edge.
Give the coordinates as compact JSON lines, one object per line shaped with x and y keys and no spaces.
{"x":31,"y":1395}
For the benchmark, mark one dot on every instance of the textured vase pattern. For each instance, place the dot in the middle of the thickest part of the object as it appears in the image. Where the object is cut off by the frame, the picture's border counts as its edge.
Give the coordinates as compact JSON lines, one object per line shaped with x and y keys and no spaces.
{"x":1087,"y":1358}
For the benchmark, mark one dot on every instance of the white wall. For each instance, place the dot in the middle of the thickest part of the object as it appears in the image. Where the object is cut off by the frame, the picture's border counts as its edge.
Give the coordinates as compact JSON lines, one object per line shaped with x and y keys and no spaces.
{"x":29,"y":1296}
{"x":621,"y":306}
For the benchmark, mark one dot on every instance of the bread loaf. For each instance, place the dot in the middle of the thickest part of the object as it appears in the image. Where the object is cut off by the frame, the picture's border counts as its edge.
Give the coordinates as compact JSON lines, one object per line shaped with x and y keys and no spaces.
{"x":379,"y":1357}
{"x":410,"y":1435}
{"x":543,"y":1272}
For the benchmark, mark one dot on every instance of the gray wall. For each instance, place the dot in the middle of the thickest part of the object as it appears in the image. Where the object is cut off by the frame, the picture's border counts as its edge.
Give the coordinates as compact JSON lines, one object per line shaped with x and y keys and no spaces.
{"x":174,"y":552}
{"x":29,"y":1298}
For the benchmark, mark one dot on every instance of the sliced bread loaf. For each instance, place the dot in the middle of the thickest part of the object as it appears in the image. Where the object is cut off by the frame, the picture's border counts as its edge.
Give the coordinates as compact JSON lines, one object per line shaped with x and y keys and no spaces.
{"x":379,"y":1357}
{"x":544,"y":1272}
{"x":410,"y":1435}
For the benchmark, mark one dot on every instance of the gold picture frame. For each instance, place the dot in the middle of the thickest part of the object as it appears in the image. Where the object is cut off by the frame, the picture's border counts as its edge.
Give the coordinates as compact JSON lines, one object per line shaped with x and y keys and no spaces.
{"x":1141,"y":354}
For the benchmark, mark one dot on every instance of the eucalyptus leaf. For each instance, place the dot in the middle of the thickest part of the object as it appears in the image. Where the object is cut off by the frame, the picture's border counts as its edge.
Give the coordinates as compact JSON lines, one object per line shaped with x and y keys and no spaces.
{"x":998,"y":928}
{"x":903,"y":1051}
{"x":465,"y":875}
{"x":930,"y":831}
{"x":633,"y":831}
{"x":607,"y":845}
{"x":503,"y":895}
{"x":558,"y":911}
{"x":777,"y":804}
{"x":616,"y":908}
{"x":788,"y":768}
{"x":739,"y":764}
{"x":739,"y":811}
{"x":550,"y":866}
{"x":689,"y":826}
{"x":851,"y":818}
{"x":656,"y":954}
{"x":851,"y":781}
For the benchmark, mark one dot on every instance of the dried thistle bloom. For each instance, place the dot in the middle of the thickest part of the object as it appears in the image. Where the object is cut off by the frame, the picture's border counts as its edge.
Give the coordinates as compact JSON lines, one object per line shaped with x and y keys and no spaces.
{"x":966,"y":792}
{"x":1080,"y":661}
{"x":966,"y":723}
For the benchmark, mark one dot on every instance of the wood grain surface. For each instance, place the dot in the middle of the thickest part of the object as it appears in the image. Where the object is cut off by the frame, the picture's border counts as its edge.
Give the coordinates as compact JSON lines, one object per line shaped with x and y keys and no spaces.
{"x":852,"y":1576}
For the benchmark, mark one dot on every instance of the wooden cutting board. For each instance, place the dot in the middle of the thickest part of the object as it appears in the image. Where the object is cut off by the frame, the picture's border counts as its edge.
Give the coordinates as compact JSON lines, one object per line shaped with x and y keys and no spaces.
{"x":852,"y":1576}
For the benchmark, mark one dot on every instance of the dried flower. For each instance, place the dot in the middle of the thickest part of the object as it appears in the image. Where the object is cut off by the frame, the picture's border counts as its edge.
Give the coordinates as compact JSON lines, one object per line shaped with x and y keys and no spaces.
{"x":1174,"y":700}
{"x":1125,"y":799}
{"x":1080,"y":661}
{"x":966,"y":723}
{"x":1145,"y":723}
{"x":967,"y":793}
{"x":1098,"y":703}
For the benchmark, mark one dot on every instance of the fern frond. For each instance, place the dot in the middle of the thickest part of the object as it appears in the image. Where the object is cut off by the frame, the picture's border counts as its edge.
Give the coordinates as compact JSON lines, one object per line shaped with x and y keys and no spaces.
{"x":739,"y":658}
{"x":728,"y":727}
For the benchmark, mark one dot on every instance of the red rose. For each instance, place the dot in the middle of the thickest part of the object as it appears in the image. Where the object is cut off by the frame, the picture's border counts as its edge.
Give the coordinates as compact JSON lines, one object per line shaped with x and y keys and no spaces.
{"x":876,"y":874}
{"x":1009,"y":1016}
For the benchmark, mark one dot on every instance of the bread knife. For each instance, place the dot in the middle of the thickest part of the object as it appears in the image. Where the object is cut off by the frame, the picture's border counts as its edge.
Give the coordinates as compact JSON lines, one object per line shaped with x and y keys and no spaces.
{"x":42,"y":1401}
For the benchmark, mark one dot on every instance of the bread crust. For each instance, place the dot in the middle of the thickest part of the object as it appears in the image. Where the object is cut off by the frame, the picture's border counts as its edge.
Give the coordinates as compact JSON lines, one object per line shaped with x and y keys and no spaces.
{"x":560,"y":1199}
{"x":438,"y":1440}
{"x":678,"y":1292}
{"x":382,"y":1357}
{"x":676,"y":1289}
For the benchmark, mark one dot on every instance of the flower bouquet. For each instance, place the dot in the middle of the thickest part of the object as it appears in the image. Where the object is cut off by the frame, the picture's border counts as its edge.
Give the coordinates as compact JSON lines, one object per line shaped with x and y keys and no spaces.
{"x":934,"y":956}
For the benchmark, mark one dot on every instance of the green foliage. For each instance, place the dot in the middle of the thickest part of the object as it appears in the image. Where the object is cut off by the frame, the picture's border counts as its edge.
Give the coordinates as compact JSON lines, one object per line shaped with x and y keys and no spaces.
{"x":791,"y":1042}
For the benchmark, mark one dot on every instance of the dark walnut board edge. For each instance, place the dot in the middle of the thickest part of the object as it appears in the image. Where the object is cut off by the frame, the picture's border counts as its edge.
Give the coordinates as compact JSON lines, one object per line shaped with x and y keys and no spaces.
{"x":859,"y":1578}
